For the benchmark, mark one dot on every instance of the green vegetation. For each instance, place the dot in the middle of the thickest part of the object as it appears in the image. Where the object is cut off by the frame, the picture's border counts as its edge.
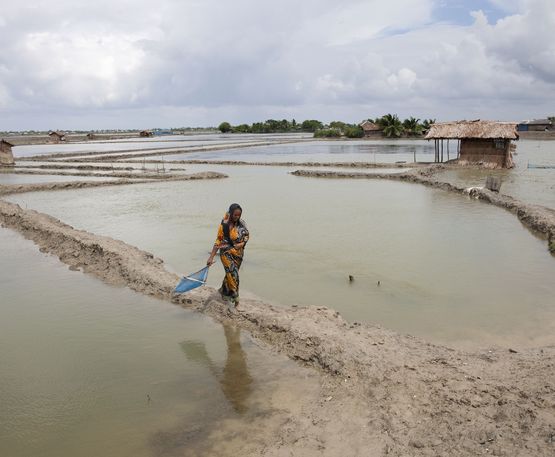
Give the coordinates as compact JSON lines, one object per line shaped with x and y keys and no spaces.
{"x":412,"y":126}
{"x":353,"y":131}
{"x":224,"y":127}
{"x":311,"y":125}
{"x":390,"y":124}
{"x":327,"y":133}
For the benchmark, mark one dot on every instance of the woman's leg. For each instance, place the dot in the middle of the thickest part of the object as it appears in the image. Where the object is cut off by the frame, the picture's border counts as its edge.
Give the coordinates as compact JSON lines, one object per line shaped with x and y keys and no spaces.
{"x":230,"y":284}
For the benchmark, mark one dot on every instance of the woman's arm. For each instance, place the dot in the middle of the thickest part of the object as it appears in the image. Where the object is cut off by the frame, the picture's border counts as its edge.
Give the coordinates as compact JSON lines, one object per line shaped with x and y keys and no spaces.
{"x":210,"y":260}
{"x":217,"y":244}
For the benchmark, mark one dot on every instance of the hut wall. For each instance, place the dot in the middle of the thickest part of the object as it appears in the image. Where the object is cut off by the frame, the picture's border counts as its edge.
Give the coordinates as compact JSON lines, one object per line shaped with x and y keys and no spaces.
{"x":373,"y":134}
{"x":489,"y":153}
{"x":6,"y":155}
{"x":538,"y":127}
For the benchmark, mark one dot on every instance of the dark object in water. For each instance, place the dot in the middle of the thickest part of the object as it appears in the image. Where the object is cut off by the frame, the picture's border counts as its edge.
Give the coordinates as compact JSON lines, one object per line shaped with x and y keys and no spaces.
{"x":351,"y":278}
{"x":379,"y":283}
{"x":493,"y":183}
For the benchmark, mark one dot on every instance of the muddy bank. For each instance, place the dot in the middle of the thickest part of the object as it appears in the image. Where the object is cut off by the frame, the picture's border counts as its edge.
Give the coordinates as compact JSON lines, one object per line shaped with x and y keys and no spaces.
{"x":61,"y":166}
{"x":383,"y":394}
{"x":289,"y":164}
{"x":22,"y":188}
{"x":535,"y":217}
{"x":113,"y":174}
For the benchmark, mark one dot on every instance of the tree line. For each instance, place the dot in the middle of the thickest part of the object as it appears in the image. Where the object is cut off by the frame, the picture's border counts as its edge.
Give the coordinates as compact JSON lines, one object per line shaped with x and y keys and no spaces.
{"x":390,"y":125}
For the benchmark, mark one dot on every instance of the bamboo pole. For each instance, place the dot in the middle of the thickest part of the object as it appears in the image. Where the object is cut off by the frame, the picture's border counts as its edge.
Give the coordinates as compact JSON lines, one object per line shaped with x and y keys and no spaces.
{"x":442,"y":150}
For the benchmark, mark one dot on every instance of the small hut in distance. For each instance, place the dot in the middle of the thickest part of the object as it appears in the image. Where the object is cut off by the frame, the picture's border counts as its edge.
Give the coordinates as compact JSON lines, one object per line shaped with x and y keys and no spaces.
{"x":91,"y":136}
{"x":6,"y":155}
{"x":56,"y":137}
{"x":146,"y":134}
{"x":484,"y":143}
{"x":371,"y":129}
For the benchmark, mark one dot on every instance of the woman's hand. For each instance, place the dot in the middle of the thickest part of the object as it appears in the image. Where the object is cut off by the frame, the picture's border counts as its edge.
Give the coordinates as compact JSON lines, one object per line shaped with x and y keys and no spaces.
{"x":210,"y":261}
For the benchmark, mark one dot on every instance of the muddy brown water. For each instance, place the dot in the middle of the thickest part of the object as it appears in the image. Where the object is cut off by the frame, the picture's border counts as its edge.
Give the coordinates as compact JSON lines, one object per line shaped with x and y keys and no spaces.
{"x":88,"y":369}
{"x":532,"y":185}
{"x":424,"y":261}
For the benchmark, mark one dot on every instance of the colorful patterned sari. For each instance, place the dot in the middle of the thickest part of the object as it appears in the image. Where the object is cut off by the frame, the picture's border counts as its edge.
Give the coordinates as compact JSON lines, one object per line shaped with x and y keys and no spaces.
{"x":231,"y":257}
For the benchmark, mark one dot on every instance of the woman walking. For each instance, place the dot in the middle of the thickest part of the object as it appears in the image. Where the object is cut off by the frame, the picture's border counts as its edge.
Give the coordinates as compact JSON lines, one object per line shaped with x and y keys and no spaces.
{"x":232,"y":238}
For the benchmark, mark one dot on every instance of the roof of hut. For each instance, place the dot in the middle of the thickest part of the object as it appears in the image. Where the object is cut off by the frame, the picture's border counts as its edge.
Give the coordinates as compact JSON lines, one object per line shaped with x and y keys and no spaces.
{"x":473,"y":129}
{"x":6,"y":142}
{"x":370,"y":126}
{"x":56,"y":133}
{"x":538,"y":122}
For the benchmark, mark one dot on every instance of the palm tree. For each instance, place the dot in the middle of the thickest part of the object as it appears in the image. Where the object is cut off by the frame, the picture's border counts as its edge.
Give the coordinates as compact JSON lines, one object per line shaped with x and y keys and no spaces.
{"x":391,"y":125}
{"x":426,"y":124}
{"x":412,"y":126}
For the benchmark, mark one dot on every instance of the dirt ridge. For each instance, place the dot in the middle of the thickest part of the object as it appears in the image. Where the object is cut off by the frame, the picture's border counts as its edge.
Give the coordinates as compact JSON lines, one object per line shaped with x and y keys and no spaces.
{"x":8,"y":189}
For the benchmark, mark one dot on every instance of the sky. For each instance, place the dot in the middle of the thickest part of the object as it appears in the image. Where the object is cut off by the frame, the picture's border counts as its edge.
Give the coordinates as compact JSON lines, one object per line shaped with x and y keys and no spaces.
{"x":108,"y":64}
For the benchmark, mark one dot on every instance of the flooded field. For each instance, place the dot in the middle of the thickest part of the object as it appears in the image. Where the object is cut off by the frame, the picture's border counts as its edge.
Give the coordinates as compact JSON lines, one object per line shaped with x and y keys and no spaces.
{"x":137,"y":144}
{"x":450,"y":269}
{"x":375,"y":151}
{"x":88,"y":369}
{"x":533,"y":185}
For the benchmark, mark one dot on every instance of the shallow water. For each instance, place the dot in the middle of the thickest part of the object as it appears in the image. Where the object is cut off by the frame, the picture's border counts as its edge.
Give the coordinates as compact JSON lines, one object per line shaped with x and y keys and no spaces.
{"x":373,"y":151}
{"x":531,"y":185}
{"x":450,"y":269}
{"x":89,"y":369}
{"x":174,"y":141}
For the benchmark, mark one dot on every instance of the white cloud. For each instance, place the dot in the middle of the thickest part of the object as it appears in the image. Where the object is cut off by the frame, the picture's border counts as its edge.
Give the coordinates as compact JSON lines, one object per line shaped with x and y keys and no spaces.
{"x":201,"y":60}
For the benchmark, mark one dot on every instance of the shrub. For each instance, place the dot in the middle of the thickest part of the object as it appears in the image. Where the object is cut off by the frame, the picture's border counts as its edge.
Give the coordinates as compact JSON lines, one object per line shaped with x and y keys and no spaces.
{"x":224,"y":127}
{"x":354,"y":132}
{"x":327,"y":133}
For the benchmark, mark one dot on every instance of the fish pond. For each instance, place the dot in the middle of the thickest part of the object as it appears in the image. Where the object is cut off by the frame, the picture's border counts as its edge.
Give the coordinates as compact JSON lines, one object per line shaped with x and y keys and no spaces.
{"x":424,"y":261}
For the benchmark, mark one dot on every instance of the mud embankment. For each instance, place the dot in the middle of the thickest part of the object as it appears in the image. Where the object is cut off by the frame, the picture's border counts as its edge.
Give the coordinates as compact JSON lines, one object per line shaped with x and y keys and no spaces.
{"x":538,"y":218}
{"x":289,"y":164}
{"x":113,"y":174}
{"x":22,"y":188}
{"x":387,"y":392}
{"x":61,"y":166}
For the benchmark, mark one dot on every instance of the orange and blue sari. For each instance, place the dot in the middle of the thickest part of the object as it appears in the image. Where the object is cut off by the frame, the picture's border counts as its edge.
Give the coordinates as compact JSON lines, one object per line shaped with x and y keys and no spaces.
{"x":231,"y":256}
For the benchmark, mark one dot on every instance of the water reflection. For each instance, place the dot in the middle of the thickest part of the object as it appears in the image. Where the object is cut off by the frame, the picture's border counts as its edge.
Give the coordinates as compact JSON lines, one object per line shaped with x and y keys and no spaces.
{"x":235,"y":379}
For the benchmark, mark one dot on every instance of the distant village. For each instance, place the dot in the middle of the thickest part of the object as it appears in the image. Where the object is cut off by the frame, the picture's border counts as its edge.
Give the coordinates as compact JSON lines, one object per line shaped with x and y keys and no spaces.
{"x":486,"y":143}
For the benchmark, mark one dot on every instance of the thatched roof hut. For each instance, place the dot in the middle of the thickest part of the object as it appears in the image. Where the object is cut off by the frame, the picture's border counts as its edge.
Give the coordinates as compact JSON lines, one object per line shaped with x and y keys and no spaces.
{"x":371,"y":129}
{"x":6,"y":155}
{"x":146,"y":134}
{"x":91,"y":136}
{"x":56,"y":137}
{"x":484,"y":143}
{"x":473,"y":129}
{"x":535,"y":125}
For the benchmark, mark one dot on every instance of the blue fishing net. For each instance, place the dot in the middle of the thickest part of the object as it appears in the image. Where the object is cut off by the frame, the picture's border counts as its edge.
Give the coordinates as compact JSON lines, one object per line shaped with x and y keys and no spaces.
{"x":192,"y":281}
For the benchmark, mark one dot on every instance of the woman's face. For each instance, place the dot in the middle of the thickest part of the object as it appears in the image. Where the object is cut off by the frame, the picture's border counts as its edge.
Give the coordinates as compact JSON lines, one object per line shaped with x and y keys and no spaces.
{"x":236,"y":215}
